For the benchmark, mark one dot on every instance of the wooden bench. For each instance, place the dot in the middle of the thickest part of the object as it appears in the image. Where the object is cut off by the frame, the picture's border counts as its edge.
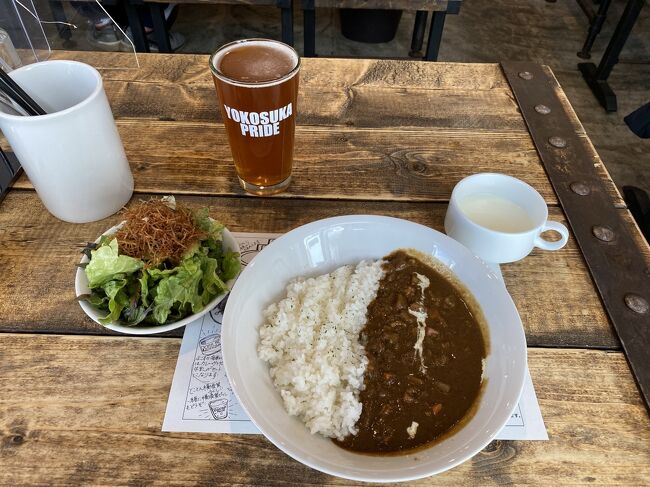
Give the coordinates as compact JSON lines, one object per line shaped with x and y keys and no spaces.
{"x":438,"y":8}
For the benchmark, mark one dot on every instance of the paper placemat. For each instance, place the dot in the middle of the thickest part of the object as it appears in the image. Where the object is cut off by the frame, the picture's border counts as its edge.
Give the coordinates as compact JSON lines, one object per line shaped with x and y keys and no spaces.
{"x":201,"y":399}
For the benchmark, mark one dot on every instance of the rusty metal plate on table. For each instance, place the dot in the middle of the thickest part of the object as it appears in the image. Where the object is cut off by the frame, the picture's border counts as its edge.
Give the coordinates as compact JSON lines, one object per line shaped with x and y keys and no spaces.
{"x":615,"y":261}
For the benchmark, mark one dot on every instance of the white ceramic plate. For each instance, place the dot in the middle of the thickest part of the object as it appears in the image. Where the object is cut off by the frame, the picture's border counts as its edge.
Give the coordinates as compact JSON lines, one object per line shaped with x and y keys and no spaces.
{"x":81,"y":287}
{"x":320,"y":247}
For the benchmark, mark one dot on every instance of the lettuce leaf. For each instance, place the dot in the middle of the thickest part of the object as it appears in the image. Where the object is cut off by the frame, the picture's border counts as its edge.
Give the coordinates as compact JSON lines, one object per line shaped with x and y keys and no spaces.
{"x":178,"y":291}
{"x":213,"y":247}
{"x":202,"y":220}
{"x":210,"y":282}
{"x":118,"y":299}
{"x":156,"y":274}
{"x":144,"y":288}
{"x":105,"y":263}
{"x":135,"y":314}
{"x":95,"y":299}
{"x":230,"y":265}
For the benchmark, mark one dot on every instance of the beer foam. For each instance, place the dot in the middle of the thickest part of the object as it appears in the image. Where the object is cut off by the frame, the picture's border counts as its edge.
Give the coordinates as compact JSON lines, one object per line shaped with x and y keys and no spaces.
{"x":283,"y":49}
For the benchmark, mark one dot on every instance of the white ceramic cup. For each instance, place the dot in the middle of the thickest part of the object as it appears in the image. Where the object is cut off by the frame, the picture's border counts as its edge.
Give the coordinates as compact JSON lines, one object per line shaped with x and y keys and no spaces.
{"x":73,"y":155}
{"x":500,"y":218}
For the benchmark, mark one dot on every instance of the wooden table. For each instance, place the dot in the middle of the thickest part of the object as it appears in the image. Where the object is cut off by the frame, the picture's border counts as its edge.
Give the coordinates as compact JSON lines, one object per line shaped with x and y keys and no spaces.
{"x":79,"y":406}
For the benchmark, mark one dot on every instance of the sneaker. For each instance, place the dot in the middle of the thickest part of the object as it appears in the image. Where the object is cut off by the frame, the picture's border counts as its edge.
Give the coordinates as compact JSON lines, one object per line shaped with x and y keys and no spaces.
{"x":102,"y":22}
{"x":107,"y":36}
{"x":176,"y":40}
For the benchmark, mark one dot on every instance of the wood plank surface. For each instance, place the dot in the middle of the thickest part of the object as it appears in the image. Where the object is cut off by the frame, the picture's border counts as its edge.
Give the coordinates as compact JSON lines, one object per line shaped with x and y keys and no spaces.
{"x":337,"y":163}
{"x":88,"y":410}
{"x":192,"y":69}
{"x":552,"y":290}
{"x":342,"y":163}
{"x":360,"y":106}
{"x":377,"y":112}
{"x":331,"y":92}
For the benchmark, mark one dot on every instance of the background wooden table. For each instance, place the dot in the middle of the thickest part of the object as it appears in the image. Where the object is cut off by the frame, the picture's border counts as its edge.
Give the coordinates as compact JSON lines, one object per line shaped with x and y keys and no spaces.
{"x":438,"y":8}
{"x":383,"y":137}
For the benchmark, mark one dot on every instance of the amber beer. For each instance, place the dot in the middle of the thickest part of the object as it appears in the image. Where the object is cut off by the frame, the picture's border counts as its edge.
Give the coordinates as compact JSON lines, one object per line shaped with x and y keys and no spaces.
{"x":257,"y":90}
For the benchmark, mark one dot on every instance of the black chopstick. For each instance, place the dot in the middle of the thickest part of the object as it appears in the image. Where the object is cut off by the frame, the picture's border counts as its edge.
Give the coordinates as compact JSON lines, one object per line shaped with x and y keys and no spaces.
{"x":16,"y":93}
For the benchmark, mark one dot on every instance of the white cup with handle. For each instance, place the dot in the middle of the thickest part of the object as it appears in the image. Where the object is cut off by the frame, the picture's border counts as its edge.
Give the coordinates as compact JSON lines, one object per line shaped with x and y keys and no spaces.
{"x":500,"y":218}
{"x":73,"y":155}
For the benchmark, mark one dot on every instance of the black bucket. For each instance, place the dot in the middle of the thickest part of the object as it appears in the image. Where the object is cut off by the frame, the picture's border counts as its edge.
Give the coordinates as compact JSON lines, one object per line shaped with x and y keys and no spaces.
{"x":370,"y":25}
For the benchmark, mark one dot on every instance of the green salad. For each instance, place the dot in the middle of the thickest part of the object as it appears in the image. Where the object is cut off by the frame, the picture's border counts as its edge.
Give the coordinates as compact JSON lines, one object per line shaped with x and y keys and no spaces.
{"x":163,"y":264}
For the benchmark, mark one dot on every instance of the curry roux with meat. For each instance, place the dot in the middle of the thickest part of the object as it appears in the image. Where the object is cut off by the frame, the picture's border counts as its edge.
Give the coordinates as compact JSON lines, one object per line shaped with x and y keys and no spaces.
{"x":425,"y":350}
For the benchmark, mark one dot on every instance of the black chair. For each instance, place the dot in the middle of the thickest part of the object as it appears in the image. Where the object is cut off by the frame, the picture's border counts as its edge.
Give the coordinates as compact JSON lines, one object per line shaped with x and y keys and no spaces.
{"x":596,"y":76}
{"x":596,"y":21}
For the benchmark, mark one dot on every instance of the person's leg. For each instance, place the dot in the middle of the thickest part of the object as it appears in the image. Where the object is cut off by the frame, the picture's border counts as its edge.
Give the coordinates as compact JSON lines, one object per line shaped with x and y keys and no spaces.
{"x":87,"y":9}
{"x":155,"y":28}
{"x":102,"y":28}
{"x":168,"y":11}
{"x":158,"y":20}
{"x":160,"y":31}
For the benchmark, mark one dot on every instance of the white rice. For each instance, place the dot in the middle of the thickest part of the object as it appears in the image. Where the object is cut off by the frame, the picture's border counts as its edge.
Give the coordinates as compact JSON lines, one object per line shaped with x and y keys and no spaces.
{"x":311,"y":341}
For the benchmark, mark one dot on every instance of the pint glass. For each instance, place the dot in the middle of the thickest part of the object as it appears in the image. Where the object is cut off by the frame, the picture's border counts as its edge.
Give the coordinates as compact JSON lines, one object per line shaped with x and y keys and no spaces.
{"x":257,"y":90}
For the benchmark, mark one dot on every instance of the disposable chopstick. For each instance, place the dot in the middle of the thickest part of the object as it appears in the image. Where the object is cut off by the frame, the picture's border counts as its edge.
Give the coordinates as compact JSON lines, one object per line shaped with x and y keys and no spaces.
{"x":16,"y":93}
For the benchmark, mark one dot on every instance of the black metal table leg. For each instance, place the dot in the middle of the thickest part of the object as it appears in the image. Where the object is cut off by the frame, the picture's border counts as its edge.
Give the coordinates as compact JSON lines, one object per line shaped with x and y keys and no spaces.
{"x":286,"y":20}
{"x":309,"y":11}
{"x":419,"y":27}
{"x":137,"y":28}
{"x":435,"y":35}
{"x":160,"y":30}
{"x":586,"y":7}
{"x":437,"y":26}
{"x":595,"y":25}
{"x":596,"y":77}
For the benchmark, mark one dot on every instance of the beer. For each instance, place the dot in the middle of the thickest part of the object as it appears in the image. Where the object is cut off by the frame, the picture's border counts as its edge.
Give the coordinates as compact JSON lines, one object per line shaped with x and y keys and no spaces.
{"x":257,"y":89}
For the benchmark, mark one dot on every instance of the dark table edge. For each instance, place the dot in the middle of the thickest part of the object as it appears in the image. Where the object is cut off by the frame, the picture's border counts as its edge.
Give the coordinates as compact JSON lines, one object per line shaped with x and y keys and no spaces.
{"x":615,"y":260}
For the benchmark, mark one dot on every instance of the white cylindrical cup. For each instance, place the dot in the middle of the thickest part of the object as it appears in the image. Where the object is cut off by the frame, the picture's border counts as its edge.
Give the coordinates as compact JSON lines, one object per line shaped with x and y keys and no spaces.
{"x":496,"y":235}
{"x":73,"y":155}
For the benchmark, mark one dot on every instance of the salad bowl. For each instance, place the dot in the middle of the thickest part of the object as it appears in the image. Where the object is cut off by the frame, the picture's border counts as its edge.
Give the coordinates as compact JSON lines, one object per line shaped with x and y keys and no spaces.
{"x":82,"y":287}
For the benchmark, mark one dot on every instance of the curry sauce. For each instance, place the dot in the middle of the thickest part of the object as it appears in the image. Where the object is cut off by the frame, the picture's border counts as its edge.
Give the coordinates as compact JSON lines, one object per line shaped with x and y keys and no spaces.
{"x":425,"y":351}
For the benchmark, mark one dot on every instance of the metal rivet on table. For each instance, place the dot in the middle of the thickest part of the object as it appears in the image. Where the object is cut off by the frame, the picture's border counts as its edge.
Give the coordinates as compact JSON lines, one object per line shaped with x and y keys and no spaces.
{"x":527,"y":75}
{"x":558,"y":142}
{"x":603,"y":233}
{"x":580,"y":188}
{"x":637,"y":303}
{"x":543,"y":109}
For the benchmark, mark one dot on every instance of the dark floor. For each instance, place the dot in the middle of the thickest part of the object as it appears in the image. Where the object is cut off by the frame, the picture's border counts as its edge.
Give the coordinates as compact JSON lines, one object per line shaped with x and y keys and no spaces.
{"x":484,"y":31}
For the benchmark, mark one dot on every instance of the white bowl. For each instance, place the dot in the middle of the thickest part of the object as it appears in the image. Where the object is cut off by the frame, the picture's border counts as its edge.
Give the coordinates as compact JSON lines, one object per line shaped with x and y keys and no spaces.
{"x":81,"y":287}
{"x":320,"y":247}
